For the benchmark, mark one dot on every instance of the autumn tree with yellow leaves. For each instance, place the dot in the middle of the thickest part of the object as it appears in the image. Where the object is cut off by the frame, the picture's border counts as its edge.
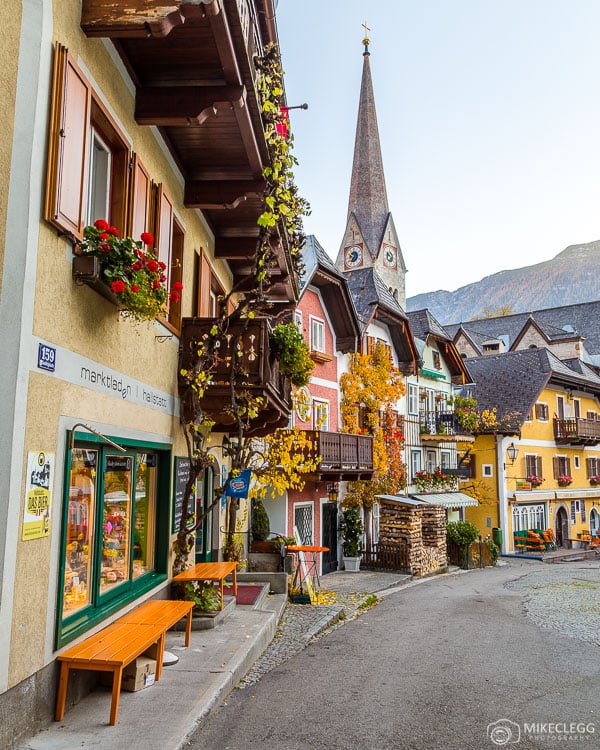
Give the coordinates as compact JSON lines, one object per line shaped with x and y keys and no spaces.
{"x":370,"y":390}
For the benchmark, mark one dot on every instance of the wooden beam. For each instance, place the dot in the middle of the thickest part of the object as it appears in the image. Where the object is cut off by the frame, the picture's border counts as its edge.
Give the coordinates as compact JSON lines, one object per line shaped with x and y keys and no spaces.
{"x":185,"y":105}
{"x":240,"y":248}
{"x":131,"y":19}
{"x":215,"y":194}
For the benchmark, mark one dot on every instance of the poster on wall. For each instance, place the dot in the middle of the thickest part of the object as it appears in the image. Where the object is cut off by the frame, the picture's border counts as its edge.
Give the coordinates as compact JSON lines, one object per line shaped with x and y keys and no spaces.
{"x":181,"y":475}
{"x":38,"y":495}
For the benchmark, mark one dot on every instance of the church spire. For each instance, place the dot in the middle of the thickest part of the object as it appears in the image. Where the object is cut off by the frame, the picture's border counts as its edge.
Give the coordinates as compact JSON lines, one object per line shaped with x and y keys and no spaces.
{"x":368,"y":196}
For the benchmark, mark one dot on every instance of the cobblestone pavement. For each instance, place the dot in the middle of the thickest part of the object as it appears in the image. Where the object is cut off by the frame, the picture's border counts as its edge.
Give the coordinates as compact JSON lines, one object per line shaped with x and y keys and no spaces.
{"x":564,"y":597}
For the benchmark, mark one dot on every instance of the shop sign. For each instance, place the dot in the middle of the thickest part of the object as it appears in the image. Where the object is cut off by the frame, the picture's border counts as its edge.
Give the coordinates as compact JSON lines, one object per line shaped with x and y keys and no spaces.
{"x":38,"y":495}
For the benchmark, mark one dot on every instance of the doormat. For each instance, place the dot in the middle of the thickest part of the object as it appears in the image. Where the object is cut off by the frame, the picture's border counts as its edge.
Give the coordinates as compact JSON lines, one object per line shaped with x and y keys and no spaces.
{"x":246,"y":594}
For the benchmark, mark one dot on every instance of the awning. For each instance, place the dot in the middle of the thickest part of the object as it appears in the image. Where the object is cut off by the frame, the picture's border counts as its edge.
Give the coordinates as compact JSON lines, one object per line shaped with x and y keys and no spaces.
{"x":432,"y":374}
{"x":400,"y":499}
{"x":449,"y":499}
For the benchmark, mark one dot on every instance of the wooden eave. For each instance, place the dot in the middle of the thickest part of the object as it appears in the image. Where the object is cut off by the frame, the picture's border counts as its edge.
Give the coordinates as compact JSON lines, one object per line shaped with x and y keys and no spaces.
{"x":338,"y":302}
{"x":191,"y":62}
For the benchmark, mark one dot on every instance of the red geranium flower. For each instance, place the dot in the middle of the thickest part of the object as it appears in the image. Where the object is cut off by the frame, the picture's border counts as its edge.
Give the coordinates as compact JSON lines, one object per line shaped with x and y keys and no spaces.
{"x":162,"y":265}
{"x":163,"y":277}
{"x":103,"y":236}
{"x":178,"y":285}
{"x":118,"y":286}
{"x":101,"y":224}
{"x":152,"y":265}
{"x":147,"y":238}
{"x":105,"y":247}
{"x":136,"y":266}
{"x":174,"y":297}
{"x":156,"y":285}
{"x":114,"y":231}
{"x":135,"y":288}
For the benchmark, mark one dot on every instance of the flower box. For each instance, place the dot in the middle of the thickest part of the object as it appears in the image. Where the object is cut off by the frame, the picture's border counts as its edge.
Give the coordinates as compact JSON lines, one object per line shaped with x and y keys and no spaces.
{"x":86,"y":270}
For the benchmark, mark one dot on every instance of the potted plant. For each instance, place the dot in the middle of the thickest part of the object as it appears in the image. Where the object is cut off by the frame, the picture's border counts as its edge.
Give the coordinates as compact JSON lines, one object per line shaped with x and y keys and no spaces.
{"x":595,"y":480}
{"x":261,"y":528}
{"x":351,"y":530}
{"x":535,"y":480}
{"x":564,"y":480}
{"x":292,"y":353}
{"x":128,"y":269}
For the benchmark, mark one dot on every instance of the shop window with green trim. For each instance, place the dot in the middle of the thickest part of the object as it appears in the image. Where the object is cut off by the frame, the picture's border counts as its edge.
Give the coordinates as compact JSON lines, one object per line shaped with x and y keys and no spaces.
{"x":112,"y":545}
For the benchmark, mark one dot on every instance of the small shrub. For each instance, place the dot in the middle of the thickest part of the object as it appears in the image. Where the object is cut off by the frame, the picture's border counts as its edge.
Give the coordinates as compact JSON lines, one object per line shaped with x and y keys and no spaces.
{"x":462,"y":533}
{"x":261,"y":527}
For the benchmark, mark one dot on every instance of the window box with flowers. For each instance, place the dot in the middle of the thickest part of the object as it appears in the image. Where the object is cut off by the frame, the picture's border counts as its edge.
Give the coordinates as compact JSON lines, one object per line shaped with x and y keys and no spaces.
{"x":434,"y":481}
{"x":124,"y":271}
{"x":564,"y":480}
{"x":535,"y":480}
{"x":595,"y":480}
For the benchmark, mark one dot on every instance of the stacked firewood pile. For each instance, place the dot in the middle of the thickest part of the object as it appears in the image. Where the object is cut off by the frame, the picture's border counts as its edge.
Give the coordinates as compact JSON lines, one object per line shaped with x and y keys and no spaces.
{"x":421,"y":527}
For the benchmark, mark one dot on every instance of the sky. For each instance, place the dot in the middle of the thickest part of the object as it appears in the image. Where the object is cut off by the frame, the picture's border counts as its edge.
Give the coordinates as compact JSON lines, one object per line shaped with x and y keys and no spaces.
{"x":489,"y":122}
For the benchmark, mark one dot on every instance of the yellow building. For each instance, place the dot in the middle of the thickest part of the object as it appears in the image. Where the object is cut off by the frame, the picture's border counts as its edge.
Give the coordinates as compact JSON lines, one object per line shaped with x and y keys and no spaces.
{"x":93,"y":456}
{"x":541,"y":469}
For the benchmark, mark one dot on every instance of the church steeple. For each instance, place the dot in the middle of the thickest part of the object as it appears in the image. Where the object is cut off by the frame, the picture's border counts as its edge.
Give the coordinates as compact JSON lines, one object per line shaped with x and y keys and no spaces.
{"x":370,"y":238}
{"x":368,"y":195}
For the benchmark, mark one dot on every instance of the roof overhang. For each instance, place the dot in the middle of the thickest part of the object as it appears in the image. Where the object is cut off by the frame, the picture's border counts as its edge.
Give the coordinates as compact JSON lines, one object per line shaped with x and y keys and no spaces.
{"x":449,"y":499}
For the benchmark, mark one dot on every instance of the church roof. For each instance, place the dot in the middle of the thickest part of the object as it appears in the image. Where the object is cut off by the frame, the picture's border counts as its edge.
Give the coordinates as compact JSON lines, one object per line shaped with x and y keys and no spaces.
{"x":368,"y":196}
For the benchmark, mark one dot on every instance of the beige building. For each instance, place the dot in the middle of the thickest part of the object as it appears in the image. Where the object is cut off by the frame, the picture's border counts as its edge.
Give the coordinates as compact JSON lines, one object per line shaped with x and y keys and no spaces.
{"x":92,"y":452}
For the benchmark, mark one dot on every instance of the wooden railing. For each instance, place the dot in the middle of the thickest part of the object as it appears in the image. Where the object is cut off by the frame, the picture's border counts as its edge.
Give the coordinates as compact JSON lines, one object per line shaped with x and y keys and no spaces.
{"x":343,"y":456}
{"x":440,"y":423}
{"x":577,"y":431}
{"x":387,"y":556}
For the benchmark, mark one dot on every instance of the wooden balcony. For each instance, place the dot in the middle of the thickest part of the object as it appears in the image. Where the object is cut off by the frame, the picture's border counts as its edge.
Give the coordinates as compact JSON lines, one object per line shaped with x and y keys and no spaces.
{"x":442,"y":427}
{"x":344,"y":457}
{"x":246,"y":343}
{"x":576,"y":431}
{"x":192,"y":65}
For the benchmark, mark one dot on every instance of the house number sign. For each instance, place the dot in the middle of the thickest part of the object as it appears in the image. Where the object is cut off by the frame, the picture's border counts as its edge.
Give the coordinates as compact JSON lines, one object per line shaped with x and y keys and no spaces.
{"x":46,"y":357}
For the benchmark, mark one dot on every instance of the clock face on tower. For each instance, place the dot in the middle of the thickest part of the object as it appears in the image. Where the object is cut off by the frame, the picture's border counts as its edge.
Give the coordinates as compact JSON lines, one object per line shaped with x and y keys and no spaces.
{"x":390,"y":258}
{"x":353,"y":256}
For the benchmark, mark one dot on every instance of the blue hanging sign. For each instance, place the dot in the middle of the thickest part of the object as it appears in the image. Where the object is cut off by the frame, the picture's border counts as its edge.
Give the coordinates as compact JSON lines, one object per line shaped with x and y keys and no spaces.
{"x":239,"y":486}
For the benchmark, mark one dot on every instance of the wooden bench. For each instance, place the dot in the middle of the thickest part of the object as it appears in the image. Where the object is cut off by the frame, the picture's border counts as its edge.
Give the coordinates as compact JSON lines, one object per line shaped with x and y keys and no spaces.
{"x":116,"y":646}
{"x":162,"y":612}
{"x":210,"y":572}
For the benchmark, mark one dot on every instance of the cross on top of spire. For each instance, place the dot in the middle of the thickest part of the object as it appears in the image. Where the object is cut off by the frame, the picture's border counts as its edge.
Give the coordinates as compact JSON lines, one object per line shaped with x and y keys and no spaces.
{"x":366,"y":41}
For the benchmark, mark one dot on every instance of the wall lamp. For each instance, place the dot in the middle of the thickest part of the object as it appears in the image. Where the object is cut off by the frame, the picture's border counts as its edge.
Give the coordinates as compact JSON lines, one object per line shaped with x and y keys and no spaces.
{"x":332,"y":492}
{"x":512,"y":452}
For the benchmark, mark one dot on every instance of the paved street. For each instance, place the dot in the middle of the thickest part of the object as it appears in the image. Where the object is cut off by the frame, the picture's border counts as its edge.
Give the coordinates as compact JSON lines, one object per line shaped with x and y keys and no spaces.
{"x":467,"y":661}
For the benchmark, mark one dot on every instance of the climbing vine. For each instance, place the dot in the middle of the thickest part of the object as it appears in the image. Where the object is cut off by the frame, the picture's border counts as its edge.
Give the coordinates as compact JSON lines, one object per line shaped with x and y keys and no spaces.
{"x":280,"y":222}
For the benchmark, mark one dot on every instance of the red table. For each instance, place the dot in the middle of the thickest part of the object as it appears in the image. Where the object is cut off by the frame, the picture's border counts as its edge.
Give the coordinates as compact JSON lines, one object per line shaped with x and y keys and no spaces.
{"x":310,"y":574}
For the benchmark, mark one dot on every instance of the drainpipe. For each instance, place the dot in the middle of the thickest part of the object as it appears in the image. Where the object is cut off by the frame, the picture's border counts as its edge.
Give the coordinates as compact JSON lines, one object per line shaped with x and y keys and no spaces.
{"x":502,"y":490}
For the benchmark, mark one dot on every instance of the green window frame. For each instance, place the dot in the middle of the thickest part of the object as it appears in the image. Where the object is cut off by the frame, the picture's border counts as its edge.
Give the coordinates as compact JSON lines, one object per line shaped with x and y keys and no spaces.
{"x":114,"y":504}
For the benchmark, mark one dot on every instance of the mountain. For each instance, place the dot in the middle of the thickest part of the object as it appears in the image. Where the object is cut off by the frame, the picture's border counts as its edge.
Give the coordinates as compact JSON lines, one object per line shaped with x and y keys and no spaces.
{"x":570,"y":277}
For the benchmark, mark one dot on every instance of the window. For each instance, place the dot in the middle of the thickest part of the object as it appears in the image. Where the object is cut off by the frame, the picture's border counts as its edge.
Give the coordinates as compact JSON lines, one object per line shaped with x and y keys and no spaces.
{"x":375,"y":516}
{"x":576,"y":408}
{"x":112,"y":545}
{"x":298,"y":319}
{"x":413,"y":399}
{"x":430,"y":461}
{"x":591,"y":415}
{"x":445,"y":459}
{"x":560,"y":407}
{"x":415,"y":462}
{"x":320,"y":415}
{"x":533,"y":466}
{"x":592,"y":465}
{"x":437,"y":361}
{"x":561,"y":466}
{"x":89,"y":157}
{"x":576,"y":462}
{"x":317,"y":335}
{"x":541,"y":412}
{"x":528,"y":517}
{"x":487,"y":470}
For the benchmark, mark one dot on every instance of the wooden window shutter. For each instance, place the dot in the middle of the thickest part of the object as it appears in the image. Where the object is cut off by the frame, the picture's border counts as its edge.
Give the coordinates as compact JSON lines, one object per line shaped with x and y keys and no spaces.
{"x":568,"y":466}
{"x":556,"y":466}
{"x":538,"y":466}
{"x":530,"y":465}
{"x":68,"y":144}
{"x":140,"y":217}
{"x":163,"y":230}
{"x":371,"y":342}
{"x":204,"y":287}
{"x":589,"y":467}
